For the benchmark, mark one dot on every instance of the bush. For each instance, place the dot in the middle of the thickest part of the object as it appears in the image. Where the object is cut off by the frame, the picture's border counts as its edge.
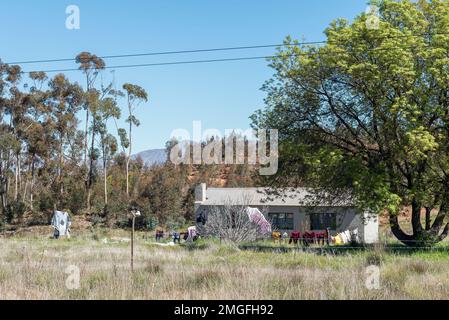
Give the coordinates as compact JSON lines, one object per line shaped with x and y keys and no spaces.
{"x":97,"y":220}
{"x":123,"y":223}
{"x":38,"y":219}
{"x":76,"y":201}
{"x":152,"y":223}
{"x":200,"y":244}
{"x":15,"y":210}
{"x":231,"y":223}
{"x":46,"y":202}
{"x":175,"y":223}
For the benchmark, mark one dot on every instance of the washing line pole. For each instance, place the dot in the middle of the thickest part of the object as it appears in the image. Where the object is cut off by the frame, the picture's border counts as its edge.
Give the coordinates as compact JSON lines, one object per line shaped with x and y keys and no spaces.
{"x":135,"y":213}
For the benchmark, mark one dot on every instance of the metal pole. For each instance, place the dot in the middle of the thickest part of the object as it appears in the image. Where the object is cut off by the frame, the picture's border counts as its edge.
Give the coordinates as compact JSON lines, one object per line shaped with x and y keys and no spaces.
{"x":132,"y":245}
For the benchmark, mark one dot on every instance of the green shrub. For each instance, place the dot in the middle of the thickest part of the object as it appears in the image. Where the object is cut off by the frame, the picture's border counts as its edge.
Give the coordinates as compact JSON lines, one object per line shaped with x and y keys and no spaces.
{"x":200,"y":244}
{"x":123,"y":223}
{"x":16,"y":209}
{"x":38,"y":219}
{"x":76,"y":201}
{"x":97,"y":220}
{"x":152,"y":223}
{"x":46,"y":202}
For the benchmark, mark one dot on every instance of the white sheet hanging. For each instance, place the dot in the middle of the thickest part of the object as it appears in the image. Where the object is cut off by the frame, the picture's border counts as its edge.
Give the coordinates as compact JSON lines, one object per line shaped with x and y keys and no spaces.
{"x":61,"y":222}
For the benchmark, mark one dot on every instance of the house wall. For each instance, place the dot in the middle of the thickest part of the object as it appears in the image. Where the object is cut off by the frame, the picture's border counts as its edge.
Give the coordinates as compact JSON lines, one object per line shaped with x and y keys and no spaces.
{"x":370,"y":228}
{"x":347,"y":219}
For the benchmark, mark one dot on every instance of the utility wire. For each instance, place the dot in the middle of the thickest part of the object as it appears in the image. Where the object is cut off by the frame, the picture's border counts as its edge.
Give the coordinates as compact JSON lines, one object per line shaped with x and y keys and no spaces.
{"x":162,"y":64}
{"x":186,"y":62}
{"x":217,"y":49}
{"x":173,"y":52}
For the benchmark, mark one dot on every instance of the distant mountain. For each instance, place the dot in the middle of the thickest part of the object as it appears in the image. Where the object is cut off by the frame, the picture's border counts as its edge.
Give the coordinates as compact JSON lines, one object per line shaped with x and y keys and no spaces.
{"x":152,"y":157}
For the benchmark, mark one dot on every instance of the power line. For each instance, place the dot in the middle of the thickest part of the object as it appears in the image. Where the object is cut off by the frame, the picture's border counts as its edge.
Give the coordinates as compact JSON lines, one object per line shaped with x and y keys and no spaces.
{"x":163,"y":63}
{"x":186,"y":62}
{"x":215,"y":49}
{"x":173,"y":52}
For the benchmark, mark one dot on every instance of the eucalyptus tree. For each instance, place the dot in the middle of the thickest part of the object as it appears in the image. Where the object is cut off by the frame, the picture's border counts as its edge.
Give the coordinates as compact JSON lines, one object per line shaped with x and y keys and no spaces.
{"x":4,"y":139}
{"x":66,"y":99}
{"x":108,"y":109}
{"x":34,"y":135}
{"x":91,"y":65}
{"x":16,"y":108}
{"x":134,"y":96}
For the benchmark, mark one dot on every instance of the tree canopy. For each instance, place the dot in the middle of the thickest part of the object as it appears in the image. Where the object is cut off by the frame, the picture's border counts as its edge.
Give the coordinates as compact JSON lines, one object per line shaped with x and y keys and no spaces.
{"x":368,"y":111}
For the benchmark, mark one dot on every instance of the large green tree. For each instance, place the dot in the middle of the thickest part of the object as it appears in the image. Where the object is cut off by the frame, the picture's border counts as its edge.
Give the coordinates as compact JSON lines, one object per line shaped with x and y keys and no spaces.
{"x":368,"y":111}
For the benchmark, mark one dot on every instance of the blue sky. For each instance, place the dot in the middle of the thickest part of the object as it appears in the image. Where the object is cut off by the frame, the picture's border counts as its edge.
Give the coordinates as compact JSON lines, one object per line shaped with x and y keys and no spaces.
{"x":221,"y":95}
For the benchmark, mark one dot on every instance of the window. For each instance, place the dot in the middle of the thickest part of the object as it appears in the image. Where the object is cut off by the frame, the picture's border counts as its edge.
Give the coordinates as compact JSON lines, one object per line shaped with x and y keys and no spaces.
{"x":322,"y":221}
{"x":282,"y":221}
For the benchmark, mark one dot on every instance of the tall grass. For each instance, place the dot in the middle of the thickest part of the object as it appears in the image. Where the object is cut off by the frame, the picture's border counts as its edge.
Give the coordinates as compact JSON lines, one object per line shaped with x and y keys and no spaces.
{"x":35,"y":269}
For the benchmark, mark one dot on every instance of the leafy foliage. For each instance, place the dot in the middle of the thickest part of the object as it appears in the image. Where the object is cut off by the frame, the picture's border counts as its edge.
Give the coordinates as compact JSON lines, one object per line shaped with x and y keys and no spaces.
{"x":369,"y":111}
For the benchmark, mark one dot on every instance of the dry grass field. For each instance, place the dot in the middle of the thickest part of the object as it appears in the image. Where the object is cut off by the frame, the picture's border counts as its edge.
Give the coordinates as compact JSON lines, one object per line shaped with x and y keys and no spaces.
{"x":35,"y":268}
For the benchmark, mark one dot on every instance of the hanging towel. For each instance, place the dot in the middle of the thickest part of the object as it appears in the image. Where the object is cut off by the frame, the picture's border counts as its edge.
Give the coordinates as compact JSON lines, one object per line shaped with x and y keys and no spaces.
{"x":61,"y":221}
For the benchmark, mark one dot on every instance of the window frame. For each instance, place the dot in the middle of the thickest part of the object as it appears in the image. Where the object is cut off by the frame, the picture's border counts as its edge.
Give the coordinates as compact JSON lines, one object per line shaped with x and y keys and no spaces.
{"x":285,"y":223}
{"x":330,"y":222}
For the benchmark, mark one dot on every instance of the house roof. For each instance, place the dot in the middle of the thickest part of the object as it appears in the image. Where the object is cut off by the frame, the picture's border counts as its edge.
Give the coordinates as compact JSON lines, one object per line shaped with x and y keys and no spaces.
{"x":303,"y":197}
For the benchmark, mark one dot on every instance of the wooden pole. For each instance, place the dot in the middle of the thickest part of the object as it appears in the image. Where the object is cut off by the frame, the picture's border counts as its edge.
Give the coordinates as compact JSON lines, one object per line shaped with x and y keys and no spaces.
{"x":132,"y":244}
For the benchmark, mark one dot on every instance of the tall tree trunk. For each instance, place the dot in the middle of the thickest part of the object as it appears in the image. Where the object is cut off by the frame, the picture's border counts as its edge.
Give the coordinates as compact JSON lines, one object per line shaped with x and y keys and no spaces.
{"x":27,"y":182}
{"x":428,"y":218}
{"x":1,"y":182}
{"x":61,"y":166}
{"x":421,"y":236}
{"x":4,"y":193}
{"x":439,"y":220}
{"x":129,"y":152}
{"x":3,"y":186}
{"x":16,"y":179}
{"x":91,"y":167}
{"x":445,"y":233}
{"x":127,"y":177}
{"x":86,"y":130}
{"x":20,"y":175}
{"x":416,"y":218}
{"x":89,"y":195}
{"x":33,"y":164}
{"x":8,"y":188}
{"x":86,"y":146}
{"x":86,"y":134}
{"x":105,"y":169}
{"x":397,"y":230}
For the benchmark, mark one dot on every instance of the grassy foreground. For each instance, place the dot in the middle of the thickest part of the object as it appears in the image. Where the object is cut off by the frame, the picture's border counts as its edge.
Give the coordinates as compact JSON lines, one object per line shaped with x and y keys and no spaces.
{"x":34,"y":268}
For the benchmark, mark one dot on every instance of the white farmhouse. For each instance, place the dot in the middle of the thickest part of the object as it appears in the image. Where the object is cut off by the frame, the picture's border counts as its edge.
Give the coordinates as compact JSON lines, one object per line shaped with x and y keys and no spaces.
{"x":290,"y":210}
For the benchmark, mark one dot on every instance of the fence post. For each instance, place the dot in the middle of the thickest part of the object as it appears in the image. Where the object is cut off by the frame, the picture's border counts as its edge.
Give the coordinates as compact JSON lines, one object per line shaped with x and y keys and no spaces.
{"x":135,"y":213}
{"x":132,"y":243}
